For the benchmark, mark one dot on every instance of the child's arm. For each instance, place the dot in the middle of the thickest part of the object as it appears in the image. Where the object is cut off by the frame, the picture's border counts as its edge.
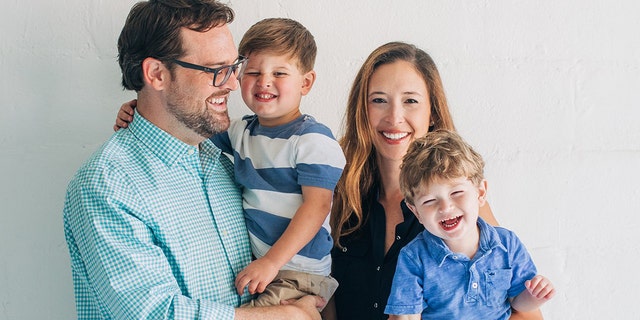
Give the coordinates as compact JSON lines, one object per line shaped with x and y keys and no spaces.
{"x":404,"y":317}
{"x":125,"y":115}
{"x":303,"y":227}
{"x":538,"y":291}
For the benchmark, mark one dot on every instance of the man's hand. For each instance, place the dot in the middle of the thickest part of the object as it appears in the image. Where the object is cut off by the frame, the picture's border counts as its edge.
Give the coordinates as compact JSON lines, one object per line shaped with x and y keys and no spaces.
{"x":305,"y":308}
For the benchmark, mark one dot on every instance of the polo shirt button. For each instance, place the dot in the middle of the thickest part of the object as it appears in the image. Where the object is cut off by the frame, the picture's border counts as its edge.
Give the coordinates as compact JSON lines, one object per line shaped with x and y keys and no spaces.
{"x":398,"y":238}
{"x":344,"y":249}
{"x":375,"y":305}
{"x":378,"y":268}
{"x":474,"y":285}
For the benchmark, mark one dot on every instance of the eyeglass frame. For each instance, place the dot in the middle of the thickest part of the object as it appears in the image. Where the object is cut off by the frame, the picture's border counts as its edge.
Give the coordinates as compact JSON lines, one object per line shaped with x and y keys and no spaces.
{"x":241,"y":62}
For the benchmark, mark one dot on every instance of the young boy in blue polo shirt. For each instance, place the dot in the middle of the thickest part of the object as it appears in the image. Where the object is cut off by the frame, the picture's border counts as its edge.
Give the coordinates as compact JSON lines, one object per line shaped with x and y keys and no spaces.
{"x":460,"y":267}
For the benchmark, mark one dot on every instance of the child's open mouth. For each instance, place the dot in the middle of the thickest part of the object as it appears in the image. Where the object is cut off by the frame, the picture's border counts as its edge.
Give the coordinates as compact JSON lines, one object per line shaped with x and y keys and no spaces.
{"x":450,"y":224}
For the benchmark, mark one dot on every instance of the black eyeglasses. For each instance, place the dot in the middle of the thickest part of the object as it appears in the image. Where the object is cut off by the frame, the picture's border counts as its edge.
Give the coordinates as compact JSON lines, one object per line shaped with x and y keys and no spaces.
{"x":220,"y":74}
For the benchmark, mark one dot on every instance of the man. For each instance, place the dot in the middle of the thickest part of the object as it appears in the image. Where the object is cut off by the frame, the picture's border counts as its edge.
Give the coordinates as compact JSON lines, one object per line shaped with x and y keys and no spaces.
{"x":153,"y":219}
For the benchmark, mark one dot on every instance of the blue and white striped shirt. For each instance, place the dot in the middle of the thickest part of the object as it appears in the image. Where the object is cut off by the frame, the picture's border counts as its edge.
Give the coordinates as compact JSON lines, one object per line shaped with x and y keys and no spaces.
{"x":272,"y":164}
{"x":155,"y":229}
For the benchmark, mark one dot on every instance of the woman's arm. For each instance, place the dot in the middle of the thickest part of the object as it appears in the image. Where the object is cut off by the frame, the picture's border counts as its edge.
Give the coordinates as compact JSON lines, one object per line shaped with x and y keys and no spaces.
{"x":329,"y":311}
{"x":529,"y":315}
{"x":487,"y":214}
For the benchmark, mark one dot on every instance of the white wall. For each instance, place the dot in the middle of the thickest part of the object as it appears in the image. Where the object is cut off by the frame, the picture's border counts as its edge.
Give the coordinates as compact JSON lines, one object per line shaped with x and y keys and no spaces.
{"x":547,"y":91}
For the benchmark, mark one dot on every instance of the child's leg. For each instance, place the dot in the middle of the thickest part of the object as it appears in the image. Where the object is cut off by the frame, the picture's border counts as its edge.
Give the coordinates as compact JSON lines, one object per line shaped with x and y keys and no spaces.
{"x":294,"y":285}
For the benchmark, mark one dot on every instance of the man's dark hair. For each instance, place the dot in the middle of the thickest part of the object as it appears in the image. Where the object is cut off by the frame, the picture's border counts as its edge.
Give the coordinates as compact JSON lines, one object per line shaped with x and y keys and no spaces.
{"x":153,"y":28}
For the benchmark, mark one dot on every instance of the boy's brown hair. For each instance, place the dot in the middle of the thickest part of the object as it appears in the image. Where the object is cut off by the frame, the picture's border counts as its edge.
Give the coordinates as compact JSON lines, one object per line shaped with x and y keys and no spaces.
{"x":281,"y":36}
{"x":441,"y":154}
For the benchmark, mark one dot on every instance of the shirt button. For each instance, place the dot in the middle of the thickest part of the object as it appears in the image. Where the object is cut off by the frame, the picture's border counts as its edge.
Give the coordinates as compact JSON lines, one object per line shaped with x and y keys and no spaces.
{"x":190,"y":152}
{"x":378,"y":268}
{"x":344,"y":249}
{"x":375,"y":305}
{"x":474,"y":285}
{"x":398,"y":238}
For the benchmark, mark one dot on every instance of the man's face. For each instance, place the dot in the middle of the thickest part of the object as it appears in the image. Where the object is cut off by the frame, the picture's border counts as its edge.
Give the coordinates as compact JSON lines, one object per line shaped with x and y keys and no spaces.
{"x":191,"y":97}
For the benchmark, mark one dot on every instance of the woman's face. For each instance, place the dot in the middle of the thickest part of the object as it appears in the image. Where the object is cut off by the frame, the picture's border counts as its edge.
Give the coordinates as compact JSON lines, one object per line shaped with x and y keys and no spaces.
{"x":399,"y":109}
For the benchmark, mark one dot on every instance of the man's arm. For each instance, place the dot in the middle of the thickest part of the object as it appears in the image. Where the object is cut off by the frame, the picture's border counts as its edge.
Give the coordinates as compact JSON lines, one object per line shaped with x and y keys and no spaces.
{"x":115,"y":257}
{"x":305,"y":308}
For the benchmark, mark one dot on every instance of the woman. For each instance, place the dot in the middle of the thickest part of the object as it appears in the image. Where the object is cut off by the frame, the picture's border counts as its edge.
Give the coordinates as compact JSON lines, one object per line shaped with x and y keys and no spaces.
{"x":396,"y":97}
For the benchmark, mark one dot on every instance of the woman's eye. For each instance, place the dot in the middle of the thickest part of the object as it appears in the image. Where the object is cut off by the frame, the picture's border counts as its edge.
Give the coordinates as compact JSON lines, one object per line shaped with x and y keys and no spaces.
{"x":378,"y":100}
{"x":411,"y":101}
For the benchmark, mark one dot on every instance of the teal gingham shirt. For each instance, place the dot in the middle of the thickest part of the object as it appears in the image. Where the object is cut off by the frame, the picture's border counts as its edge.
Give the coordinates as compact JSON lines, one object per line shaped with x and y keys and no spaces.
{"x":155,"y":229}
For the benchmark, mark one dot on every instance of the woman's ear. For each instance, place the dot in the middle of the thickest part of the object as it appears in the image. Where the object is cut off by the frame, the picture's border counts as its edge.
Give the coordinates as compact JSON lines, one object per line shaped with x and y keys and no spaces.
{"x":154,"y":73}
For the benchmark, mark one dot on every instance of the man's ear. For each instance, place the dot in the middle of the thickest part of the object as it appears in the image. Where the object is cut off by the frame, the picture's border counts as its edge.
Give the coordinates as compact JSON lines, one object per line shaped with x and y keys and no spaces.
{"x":482,"y":192}
{"x":307,"y":82}
{"x":155,"y":73}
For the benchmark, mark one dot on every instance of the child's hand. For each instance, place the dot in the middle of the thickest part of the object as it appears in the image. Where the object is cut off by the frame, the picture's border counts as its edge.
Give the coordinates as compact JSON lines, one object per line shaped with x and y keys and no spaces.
{"x":540,"y":288}
{"x":125,"y":115}
{"x":257,"y":275}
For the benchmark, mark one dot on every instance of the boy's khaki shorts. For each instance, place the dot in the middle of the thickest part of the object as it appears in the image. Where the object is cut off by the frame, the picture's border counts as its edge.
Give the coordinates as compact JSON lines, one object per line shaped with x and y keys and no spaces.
{"x":290,"y":284}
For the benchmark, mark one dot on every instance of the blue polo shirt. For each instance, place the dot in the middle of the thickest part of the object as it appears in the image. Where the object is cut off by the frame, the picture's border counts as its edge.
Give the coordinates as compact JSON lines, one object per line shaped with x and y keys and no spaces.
{"x":432,"y":280}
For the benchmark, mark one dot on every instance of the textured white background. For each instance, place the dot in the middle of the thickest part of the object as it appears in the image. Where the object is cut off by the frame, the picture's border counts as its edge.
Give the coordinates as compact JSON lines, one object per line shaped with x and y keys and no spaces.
{"x":547,"y":91}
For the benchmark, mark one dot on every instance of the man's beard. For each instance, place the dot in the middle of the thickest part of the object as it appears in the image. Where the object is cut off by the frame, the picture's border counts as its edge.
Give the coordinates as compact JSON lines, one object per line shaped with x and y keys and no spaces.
{"x":186,"y":110}
{"x":206,"y":123}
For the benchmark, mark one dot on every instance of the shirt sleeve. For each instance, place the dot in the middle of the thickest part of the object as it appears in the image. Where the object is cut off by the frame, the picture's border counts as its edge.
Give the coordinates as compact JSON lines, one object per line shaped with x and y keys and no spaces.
{"x":407,"y":288}
{"x":115,"y":259}
{"x":223,"y":142}
{"x":319,"y":159}
{"x":522,"y":265}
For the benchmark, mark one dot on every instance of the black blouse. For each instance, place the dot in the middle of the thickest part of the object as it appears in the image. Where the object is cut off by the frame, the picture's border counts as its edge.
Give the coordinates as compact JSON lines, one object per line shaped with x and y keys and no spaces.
{"x":361,"y":268}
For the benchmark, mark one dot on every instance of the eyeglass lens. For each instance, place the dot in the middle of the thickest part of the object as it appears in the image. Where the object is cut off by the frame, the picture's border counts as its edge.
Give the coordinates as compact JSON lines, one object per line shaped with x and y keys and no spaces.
{"x":223,"y":74}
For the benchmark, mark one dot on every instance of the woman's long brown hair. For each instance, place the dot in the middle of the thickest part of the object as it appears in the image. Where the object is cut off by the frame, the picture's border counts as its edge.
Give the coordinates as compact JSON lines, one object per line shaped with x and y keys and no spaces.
{"x":361,"y":170}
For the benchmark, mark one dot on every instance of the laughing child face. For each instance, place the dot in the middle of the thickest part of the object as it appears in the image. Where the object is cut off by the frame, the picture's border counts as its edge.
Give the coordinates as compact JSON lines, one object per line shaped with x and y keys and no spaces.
{"x":448,"y":209}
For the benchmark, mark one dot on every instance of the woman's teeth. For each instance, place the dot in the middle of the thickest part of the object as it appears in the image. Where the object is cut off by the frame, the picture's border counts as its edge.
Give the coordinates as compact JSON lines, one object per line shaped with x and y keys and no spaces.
{"x":395,"y":136}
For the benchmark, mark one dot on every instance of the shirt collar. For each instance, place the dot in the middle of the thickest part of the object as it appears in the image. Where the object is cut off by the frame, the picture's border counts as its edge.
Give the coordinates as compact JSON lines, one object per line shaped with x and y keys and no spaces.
{"x":165,"y":146}
{"x":489,"y":240}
